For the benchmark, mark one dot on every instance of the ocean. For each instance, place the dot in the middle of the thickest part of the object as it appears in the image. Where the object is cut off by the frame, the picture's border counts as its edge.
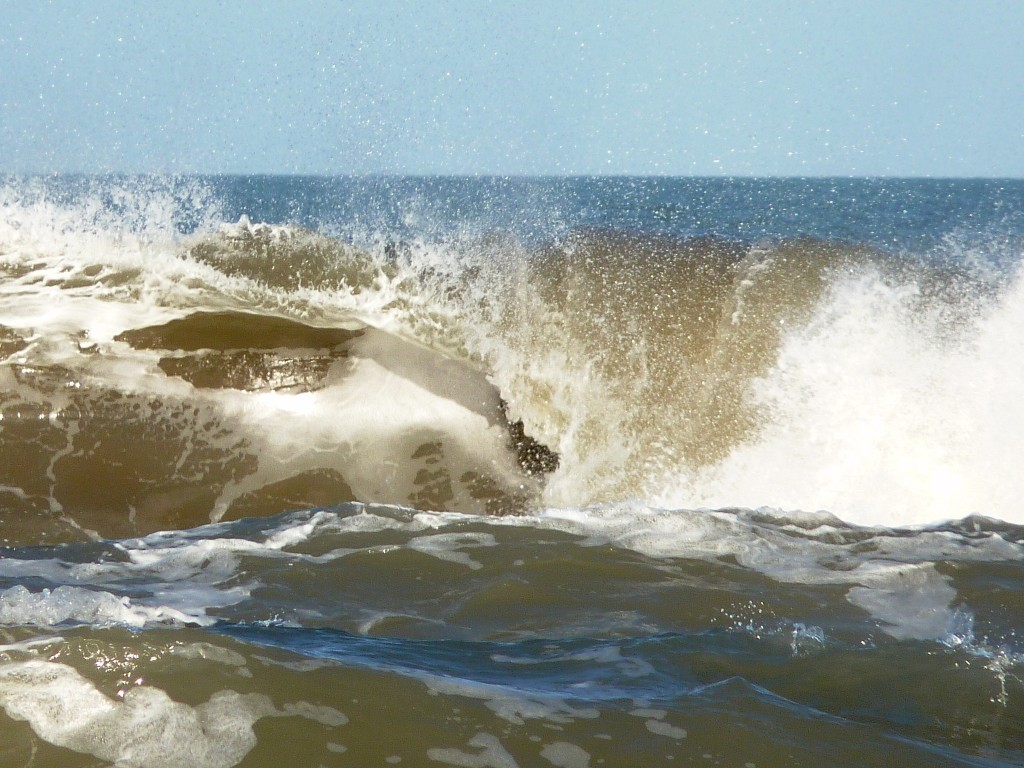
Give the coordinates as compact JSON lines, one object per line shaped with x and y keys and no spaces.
{"x":511,"y":472}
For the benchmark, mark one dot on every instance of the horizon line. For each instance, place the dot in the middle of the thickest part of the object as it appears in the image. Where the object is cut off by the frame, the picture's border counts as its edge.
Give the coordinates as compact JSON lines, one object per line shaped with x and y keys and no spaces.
{"x":510,"y":176}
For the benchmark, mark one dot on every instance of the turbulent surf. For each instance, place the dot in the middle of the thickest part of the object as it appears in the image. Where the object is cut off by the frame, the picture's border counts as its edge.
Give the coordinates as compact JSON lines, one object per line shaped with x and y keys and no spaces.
{"x":499,"y":472}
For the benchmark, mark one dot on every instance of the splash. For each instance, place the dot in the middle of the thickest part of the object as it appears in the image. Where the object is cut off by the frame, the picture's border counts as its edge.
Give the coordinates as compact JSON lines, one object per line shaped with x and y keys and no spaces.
{"x":163,"y":368}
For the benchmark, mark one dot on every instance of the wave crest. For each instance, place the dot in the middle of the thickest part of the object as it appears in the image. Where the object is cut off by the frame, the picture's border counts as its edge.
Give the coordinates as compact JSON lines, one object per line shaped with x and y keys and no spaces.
{"x":479,"y":371}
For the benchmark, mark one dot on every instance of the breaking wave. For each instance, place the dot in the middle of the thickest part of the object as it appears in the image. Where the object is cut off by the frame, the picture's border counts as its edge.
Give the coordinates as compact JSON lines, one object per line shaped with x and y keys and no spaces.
{"x":162,"y":368}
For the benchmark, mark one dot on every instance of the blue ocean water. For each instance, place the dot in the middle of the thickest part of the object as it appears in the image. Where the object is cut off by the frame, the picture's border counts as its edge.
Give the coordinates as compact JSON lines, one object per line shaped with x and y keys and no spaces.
{"x":904,"y":214}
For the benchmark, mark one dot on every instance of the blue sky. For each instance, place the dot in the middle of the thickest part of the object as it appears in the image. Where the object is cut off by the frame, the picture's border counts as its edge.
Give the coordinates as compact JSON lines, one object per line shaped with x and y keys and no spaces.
{"x":535,"y":87}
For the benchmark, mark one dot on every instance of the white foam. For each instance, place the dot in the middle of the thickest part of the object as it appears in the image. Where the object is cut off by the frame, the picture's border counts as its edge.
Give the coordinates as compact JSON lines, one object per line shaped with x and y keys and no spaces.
{"x":606,"y":654}
{"x":209,"y":652}
{"x":491,"y":754}
{"x":145,"y":728}
{"x":186,"y":576}
{"x":915,"y":602}
{"x":26,"y":646}
{"x":510,"y":704}
{"x":374,"y":618}
{"x":448,"y":546}
{"x":665,"y":729}
{"x":882,"y":415}
{"x":566,"y":755}
{"x":653,"y":714}
{"x":318,"y":713}
{"x":19,"y":606}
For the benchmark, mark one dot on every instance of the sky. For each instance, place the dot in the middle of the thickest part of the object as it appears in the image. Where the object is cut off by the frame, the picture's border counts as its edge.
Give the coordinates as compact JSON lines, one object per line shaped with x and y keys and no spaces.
{"x":537,"y":87}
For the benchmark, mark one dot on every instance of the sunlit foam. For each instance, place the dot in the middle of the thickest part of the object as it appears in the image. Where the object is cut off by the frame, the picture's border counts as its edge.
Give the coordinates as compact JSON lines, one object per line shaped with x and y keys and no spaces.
{"x":876,"y":418}
{"x":799,"y":375}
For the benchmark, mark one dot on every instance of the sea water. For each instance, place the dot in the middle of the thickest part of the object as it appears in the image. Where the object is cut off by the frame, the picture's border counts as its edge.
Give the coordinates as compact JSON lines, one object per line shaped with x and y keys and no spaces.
{"x":511,"y":472}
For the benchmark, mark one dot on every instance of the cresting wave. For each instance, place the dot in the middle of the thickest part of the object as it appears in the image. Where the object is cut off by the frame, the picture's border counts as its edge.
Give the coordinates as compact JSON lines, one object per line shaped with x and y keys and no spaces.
{"x":159,"y":374}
